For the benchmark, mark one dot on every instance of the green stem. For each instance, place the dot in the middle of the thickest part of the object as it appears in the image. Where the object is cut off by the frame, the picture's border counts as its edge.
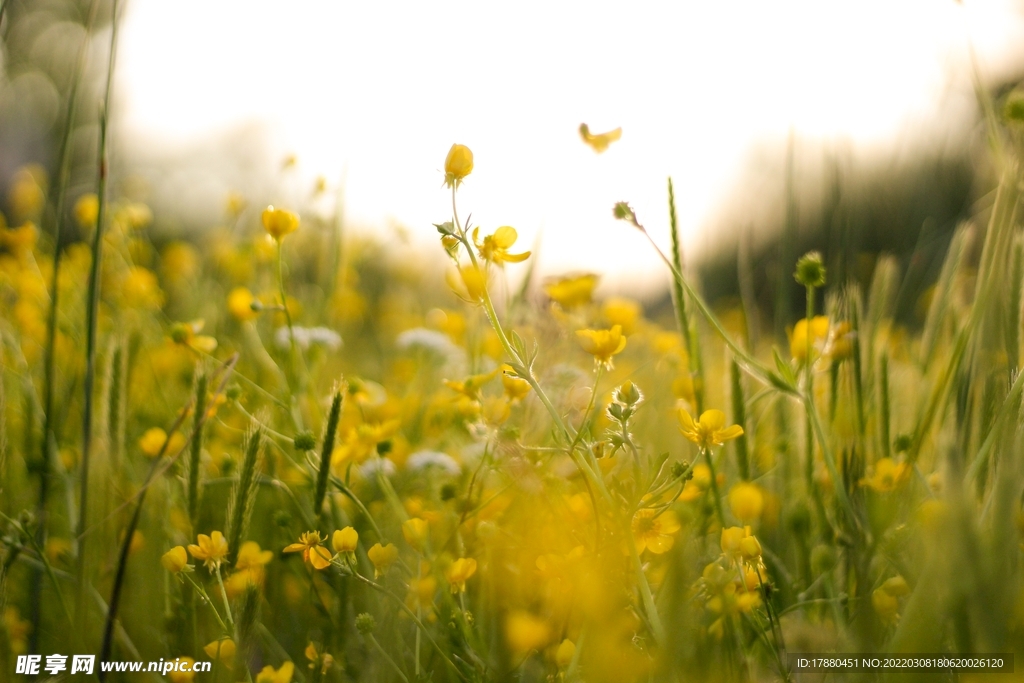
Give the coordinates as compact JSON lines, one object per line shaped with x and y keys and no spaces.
{"x":206,"y":598}
{"x":387,"y":657}
{"x":48,"y":441}
{"x":224,"y":595}
{"x":92,"y":314}
{"x":657,"y":628}
{"x":748,"y":361}
{"x":714,"y":487}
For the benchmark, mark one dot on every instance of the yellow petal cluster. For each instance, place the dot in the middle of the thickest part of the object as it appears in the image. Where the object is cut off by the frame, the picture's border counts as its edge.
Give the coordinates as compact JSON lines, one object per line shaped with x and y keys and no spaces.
{"x":709,"y":430}
{"x":313,"y":552}
{"x":602,"y":344}
{"x":279,"y":222}
{"x":457,"y":165}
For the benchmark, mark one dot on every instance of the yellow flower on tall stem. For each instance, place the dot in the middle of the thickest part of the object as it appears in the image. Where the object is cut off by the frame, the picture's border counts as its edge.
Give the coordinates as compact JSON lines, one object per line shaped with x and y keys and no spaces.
{"x":313,"y":551}
{"x":211,"y":549}
{"x":279,"y":222}
{"x":602,"y":344}
{"x":457,"y":165}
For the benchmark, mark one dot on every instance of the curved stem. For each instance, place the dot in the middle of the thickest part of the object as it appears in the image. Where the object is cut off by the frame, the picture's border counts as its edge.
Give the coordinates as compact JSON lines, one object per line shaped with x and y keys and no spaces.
{"x":412,"y":615}
{"x":206,"y":598}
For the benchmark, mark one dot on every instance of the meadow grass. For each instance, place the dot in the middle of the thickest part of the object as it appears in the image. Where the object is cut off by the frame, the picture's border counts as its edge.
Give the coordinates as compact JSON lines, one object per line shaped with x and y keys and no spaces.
{"x":317,"y":468}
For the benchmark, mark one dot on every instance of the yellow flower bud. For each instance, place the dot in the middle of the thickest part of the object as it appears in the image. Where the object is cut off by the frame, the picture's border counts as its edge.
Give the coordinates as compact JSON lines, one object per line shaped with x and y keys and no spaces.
{"x":240,"y":301}
{"x":746,"y":501}
{"x":382,"y":557}
{"x":750,"y":548}
{"x":459,"y":572}
{"x":415,"y":531}
{"x":175,"y":559}
{"x":458,"y":164}
{"x":86,"y":210}
{"x":345,"y":540}
{"x":221,"y":649}
{"x":564,"y":654}
{"x":279,"y":222}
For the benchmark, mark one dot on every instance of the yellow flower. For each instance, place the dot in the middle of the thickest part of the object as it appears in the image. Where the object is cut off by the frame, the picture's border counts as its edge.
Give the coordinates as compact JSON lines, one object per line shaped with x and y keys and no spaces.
{"x":179,"y":262}
{"x":19,"y":240}
{"x":17,"y":629}
{"x":739,"y":544}
{"x":564,"y":654}
{"x":239,"y":581}
{"x":416,"y":532}
{"x":798,"y":340}
{"x":183,"y":676}
{"x":345,"y":540}
{"x":746,"y":501}
{"x":27,"y":192}
{"x":709,"y":430}
{"x":279,"y":222}
{"x":421,"y":593}
{"x":459,"y":571}
{"x":250,"y":556}
{"x":382,"y":557}
{"x":223,"y":649}
{"x":141,"y":289}
{"x":599,"y":142}
{"x":471,"y":386}
{"x":468,"y":282}
{"x":235,"y":204}
{"x":457,"y":165}
{"x":573,"y":291}
{"x":619,"y":310}
{"x":135,"y":216}
{"x":187,"y":334}
{"x":887,"y":476}
{"x":240,"y":301}
{"x":153,"y":440}
{"x":515,"y":386}
{"x":271,"y":675}
{"x":212,"y":549}
{"x":312,"y":551}
{"x":654,"y":533}
{"x":495,"y":247}
{"x":885,"y":604}
{"x":86,"y":210}
{"x":526,"y":632}
{"x":602,"y":344}
{"x":175,"y":560}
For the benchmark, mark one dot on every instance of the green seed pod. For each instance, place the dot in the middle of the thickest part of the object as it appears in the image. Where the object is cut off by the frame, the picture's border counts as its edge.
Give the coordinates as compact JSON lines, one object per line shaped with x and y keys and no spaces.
{"x":810,"y":270}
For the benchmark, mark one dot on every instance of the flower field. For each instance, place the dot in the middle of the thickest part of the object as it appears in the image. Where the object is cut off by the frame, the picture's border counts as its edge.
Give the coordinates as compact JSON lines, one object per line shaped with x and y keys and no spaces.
{"x":278,"y":448}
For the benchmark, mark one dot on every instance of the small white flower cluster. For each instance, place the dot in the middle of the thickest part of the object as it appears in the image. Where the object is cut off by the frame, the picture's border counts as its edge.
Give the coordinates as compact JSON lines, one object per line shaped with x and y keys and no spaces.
{"x":424,"y":339}
{"x":422,"y":460}
{"x":369,"y":469}
{"x":308,"y":336}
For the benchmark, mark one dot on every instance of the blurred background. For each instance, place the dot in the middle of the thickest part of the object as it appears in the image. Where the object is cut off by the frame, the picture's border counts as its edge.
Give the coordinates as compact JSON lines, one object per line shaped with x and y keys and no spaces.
{"x":849,"y":127}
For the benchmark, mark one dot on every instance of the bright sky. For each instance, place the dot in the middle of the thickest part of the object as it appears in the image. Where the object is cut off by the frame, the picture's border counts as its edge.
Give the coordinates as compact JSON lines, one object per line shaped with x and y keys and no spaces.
{"x":378,"y":91}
